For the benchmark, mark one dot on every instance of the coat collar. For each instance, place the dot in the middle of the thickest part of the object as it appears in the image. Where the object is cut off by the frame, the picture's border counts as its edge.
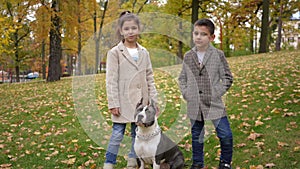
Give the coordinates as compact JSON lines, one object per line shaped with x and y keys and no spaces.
{"x":125,"y":53}
{"x":207,"y":55}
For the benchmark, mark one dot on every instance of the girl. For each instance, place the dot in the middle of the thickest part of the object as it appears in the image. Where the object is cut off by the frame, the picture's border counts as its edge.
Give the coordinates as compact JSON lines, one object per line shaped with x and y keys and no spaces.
{"x":129,"y":77}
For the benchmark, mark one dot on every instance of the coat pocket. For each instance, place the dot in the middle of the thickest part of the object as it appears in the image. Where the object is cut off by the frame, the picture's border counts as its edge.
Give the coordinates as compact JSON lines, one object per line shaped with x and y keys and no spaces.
{"x":218,"y":91}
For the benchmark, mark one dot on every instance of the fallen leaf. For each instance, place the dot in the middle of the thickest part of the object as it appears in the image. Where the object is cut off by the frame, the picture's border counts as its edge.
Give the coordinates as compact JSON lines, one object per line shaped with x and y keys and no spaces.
{"x":245,"y":124}
{"x":260,"y":167}
{"x":1,"y":146}
{"x":70,"y":161}
{"x":275,"y":110}
{"x":5,"y":165}
{"x":254,"y":136}
{"x":288,"y":114}
{"x":297,"y":148}
{"x":240,"y":145}
{"x":258,"y":123}
{"x":270,"y":165}
{"x":282,"y":144}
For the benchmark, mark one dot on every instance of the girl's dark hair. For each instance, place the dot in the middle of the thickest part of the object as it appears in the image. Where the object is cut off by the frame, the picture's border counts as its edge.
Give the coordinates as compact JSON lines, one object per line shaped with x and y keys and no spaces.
{"x":126,"y":16}
{"x":206,"y":22}
{"x":123,"y":13}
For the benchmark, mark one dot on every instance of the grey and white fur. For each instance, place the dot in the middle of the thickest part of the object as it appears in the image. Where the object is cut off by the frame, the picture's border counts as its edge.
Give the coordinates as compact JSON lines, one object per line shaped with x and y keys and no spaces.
{"x":151,"y":145}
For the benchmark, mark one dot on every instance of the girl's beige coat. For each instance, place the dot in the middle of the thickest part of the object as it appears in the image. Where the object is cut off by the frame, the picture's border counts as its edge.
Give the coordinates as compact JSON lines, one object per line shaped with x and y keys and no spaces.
{"x":127,"y":81}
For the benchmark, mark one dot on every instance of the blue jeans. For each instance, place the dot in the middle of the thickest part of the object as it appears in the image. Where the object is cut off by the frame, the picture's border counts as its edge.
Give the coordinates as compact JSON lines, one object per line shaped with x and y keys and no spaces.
{"x":224,"y":134}
{"x":115,"y":141}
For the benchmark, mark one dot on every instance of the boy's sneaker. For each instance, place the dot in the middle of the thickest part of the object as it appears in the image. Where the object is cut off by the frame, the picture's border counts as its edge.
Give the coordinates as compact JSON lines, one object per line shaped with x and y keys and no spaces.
{"x":195,"y":166}
{"x":224,"y":165}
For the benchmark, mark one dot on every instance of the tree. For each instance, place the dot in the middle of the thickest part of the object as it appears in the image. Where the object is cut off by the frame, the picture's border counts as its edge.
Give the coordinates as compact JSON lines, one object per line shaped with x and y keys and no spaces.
{"x":263,"y":41}
{"x":54,"y":71}
{"x":17,"y":13}
{"x":41,"y":28}
{"x":98,"y":37}
{"x":182,"y":10}
{"x":279,"y":27}
{"x":195,"y":13}
{"x":281,"y":11}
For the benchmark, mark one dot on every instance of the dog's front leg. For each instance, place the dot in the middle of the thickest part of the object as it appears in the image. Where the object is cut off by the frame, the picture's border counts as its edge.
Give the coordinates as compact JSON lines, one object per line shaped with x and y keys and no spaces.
{"x":142,"y":165}
{"x":156,"y":166}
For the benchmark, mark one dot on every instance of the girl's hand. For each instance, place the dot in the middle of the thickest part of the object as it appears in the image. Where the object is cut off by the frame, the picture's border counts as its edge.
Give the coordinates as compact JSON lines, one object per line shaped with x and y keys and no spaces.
{"x":115,"y":111}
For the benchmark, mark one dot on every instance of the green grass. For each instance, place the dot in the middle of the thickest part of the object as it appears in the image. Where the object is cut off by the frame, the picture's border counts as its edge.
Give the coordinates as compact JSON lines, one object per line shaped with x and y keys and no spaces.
{"x":65,"y":124}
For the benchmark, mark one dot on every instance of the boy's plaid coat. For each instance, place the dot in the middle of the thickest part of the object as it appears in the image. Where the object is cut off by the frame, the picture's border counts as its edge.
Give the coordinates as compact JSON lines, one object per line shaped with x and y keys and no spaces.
{"x":203,"y":85}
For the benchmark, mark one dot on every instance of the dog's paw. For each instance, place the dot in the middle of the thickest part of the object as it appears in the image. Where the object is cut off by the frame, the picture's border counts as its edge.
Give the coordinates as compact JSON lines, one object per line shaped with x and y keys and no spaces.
{"x":164,"y":166}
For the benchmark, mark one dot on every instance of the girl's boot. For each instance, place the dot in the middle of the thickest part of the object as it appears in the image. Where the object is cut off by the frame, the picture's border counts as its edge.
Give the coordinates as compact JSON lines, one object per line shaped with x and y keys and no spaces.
{"x":108,"y":166}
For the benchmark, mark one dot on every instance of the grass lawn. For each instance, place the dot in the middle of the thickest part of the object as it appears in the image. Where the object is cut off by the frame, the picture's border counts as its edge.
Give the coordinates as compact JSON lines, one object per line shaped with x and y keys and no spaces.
{"x":66,"y":124}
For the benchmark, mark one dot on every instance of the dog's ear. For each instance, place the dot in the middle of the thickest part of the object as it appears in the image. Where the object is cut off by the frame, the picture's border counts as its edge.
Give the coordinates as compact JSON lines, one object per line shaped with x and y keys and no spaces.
{"x":139,"y":103}
{"x":152,"y":103}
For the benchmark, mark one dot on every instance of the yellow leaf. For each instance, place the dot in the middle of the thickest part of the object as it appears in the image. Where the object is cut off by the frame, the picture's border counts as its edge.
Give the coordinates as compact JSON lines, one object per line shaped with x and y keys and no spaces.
{"x":297,"y":148}
{"x":70,"y":161}
{"x":258,"y":123}
{"x":259,"y":167}
{"x":275,"y":110}
{"x":37,"y":133}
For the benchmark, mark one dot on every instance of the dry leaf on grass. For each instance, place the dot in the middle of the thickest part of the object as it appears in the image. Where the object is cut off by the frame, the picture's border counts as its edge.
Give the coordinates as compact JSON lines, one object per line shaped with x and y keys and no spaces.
{"x":70,"y":161}
{"x":254,"y":136}
{"x":270,"y":165}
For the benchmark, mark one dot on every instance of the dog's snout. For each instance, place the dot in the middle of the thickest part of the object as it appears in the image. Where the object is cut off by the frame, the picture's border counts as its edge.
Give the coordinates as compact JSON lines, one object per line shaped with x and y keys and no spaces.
{"x":139,"y":118}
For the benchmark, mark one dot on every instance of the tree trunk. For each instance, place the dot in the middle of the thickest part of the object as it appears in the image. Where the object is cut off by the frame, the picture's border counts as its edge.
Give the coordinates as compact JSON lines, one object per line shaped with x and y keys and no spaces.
{"x":79,"y":46}
{"x":195,"y":12}
{"x":43,"y":59}
{"x":263,"y":42}
{"x":251,"y":40}
{"x":95,"y":37}
{"x":17,"y":59}
{"x":180,"y":45}
{"x":54,"y":70}
{"x":180,"y":54}
{"x":221,"y":33}
{"x":279,"y":27}
{"x":98,"y":38}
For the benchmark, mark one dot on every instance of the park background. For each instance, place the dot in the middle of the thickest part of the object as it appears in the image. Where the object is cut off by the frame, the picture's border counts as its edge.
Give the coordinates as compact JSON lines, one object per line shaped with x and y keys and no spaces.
{"x":40,"y":125}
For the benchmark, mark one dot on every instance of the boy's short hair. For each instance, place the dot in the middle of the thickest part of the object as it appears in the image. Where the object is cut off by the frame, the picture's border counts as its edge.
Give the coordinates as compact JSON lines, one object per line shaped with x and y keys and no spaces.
{"x":206,"y":22}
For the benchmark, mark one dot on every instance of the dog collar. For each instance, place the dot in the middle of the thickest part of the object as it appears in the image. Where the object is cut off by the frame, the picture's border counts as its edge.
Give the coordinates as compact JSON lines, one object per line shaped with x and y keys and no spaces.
{"x":148,"y":136}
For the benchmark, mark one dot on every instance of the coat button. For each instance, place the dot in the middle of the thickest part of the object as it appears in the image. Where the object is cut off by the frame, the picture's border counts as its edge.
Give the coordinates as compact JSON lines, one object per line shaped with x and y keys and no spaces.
{"x":200,"y":92}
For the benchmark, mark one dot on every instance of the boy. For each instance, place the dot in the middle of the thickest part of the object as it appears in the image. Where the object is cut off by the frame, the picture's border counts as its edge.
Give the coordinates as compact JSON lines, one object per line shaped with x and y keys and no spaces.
{"x":204,"y":79}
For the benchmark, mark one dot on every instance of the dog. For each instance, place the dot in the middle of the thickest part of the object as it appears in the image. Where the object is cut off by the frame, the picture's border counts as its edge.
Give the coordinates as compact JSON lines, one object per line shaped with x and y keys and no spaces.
{"x":151,"y":145}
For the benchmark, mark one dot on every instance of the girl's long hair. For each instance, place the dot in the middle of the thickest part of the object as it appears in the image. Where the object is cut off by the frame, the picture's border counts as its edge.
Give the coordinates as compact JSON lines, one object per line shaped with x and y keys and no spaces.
{"x":126,"y":16}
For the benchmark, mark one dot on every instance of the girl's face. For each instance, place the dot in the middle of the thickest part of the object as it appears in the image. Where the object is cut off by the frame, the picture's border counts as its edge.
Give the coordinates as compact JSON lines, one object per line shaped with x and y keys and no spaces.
{"x":202,"y":37}
{"x":130,"y":31}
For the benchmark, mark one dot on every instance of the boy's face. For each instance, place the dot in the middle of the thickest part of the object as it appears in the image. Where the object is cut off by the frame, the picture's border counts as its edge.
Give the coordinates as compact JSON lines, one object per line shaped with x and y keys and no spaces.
{"x":202,"y":37}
